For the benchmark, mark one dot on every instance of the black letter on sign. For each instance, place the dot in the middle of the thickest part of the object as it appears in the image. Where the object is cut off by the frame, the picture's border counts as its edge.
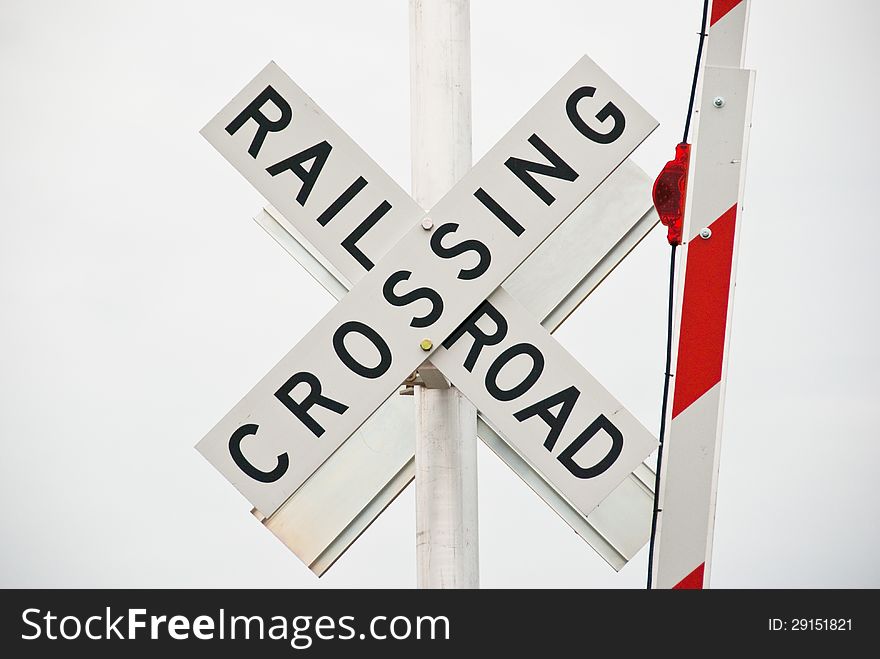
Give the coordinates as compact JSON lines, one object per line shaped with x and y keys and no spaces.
{"x":480,"y":338}
{"x":255,"y":111}
{"x":557,"y":169}
{"x":421,"y":293}
{"x":249,"y":469}
{"x":610,"y":110}
{"x":567,"y":398}
{"x":461,"y":248}
{"x":502,"y":360}
{"x":301,"y":410}
{"x":506,"y":218}
{"x":342,"y":201}
{"x":294,"y":163}
{"x":350,"y":242}
{"x":567,"y":456}
{"x":345,"y":356}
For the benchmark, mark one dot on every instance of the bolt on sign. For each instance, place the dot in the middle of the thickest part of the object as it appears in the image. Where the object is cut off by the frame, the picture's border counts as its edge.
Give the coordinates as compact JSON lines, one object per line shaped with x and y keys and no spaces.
{"x":435,"y":293}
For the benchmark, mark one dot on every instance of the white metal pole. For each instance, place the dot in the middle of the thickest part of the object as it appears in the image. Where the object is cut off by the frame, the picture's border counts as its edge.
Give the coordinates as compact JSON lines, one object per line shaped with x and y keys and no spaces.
{"x":446,"y":422}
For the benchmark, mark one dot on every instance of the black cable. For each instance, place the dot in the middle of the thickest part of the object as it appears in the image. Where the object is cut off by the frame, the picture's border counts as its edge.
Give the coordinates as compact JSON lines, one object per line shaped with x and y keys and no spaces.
{"x":687,"y":121}
{"x":666,"y":379}
{"x":668,"y":375}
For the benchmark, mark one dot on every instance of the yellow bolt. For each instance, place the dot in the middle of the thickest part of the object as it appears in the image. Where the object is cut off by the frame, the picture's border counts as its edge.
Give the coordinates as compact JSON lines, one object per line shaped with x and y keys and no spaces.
{"x":426,"y":344}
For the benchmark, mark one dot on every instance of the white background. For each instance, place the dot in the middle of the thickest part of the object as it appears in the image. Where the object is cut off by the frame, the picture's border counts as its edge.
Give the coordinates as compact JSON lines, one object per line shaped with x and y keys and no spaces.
{"x":140,"y":301}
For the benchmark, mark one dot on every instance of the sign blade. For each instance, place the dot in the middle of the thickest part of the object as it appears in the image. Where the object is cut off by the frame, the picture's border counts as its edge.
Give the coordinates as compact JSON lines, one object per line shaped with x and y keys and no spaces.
{"x":312,"y":171}
{"x":543,"y":402}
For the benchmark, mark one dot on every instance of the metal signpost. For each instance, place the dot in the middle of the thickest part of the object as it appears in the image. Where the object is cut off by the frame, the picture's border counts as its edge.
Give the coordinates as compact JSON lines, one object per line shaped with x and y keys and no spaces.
{"x":447,"y":537}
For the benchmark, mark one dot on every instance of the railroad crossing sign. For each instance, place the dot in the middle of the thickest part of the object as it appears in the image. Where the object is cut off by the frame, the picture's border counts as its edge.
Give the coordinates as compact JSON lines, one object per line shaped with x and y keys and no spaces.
{"x":434,"y":293}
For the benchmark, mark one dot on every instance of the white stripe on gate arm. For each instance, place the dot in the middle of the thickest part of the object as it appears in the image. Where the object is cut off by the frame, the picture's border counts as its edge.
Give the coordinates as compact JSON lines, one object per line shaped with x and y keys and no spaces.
{"x":340,"y":372}
{"x":704,"y":301}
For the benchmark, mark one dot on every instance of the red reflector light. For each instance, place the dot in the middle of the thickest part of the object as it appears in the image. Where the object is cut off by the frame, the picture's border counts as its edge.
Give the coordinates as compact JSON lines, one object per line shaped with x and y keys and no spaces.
{"x":669,"y":192}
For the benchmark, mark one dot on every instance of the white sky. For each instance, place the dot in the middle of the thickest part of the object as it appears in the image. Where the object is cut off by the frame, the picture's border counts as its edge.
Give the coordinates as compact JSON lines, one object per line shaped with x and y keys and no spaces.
{"x":140,"y":301}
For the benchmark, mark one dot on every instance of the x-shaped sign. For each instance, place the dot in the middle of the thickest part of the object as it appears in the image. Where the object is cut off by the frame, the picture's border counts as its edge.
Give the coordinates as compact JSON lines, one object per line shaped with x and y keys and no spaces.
{"x":427,"y":286}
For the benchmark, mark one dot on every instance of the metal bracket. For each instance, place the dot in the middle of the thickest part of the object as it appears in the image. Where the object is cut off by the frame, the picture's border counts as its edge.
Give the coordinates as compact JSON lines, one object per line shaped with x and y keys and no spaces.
{"x":406,"y":389}
{"x":431,"y":377}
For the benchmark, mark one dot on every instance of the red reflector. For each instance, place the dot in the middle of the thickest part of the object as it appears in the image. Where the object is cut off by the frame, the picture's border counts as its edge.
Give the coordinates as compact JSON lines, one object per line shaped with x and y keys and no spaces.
{"x":669,"y":192}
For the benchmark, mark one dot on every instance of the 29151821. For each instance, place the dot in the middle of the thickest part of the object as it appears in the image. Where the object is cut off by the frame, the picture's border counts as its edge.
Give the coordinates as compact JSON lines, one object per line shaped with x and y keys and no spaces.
{"x":809,"y":624}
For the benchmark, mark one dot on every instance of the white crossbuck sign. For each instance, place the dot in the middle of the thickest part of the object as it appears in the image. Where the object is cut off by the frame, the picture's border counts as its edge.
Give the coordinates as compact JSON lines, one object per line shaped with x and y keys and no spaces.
{"x":434,"y":293}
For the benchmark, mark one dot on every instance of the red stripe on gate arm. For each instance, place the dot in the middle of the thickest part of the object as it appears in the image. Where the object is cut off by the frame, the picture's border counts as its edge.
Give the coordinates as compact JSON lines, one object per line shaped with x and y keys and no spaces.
{"x":693,"y":581}
{"x":720,"y":9}
{"x":704,"y":312}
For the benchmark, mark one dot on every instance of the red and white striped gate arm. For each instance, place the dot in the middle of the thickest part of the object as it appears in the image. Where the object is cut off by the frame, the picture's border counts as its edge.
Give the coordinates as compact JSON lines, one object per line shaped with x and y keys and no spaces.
{"x":689,"y":474}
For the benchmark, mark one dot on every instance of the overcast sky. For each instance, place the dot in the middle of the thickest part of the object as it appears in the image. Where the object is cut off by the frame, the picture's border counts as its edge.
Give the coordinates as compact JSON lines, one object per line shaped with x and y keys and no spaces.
{"x":140,"y":301}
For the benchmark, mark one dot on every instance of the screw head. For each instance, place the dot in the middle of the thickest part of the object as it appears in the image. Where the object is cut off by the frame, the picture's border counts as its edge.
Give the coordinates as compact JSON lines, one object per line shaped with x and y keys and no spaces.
{"x":706,"y":233}
{"x":427,"y":224}
{"x":718,"y":102}
{"x":426,"y":344}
